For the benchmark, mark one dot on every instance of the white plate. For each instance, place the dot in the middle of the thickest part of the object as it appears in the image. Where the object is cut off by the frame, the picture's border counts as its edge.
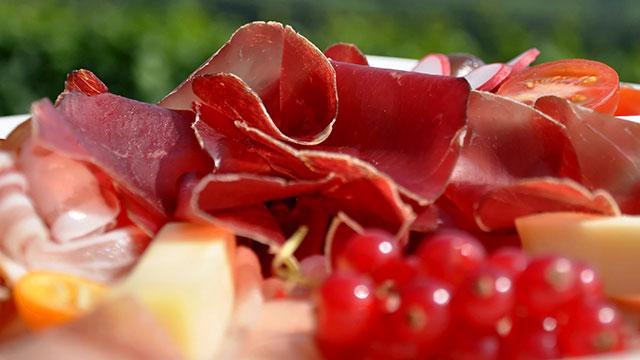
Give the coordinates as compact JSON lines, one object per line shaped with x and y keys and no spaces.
{"x":8,"y":123}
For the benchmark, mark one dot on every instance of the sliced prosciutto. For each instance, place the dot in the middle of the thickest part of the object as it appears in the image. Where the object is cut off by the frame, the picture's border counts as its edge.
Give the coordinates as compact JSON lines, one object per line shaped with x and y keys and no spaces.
{"x":26,"y":240}
{"x":607,"y":149}
{"x":68,"y":195}
{"x":293,"y":79}
{"x":345,"y":52}
{"x":144,"y":148}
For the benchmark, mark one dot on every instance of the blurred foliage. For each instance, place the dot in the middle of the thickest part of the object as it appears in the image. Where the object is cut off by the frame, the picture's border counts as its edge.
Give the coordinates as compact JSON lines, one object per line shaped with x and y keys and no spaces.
{"x":143,"y":48}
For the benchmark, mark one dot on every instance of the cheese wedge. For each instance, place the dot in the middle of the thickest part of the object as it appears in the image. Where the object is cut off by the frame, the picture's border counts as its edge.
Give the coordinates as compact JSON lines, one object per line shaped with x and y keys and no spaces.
{"x":610,"y":244}
{"x":185,"y":278}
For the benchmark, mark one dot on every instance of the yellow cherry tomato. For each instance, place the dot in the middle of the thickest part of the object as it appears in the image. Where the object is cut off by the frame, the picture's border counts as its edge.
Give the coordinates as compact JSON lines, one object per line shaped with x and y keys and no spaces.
{"x":45,"y":299}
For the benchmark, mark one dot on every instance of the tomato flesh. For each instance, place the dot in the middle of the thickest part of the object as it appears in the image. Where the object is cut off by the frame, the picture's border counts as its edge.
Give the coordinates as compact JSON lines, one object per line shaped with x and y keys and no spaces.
{"x":588,"y":83}
{"x":629,"y":101}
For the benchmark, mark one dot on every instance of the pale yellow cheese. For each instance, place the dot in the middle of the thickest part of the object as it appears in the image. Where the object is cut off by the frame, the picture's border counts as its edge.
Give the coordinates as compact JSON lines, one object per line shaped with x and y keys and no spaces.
{"x":610,"y":244}
{"x":186,"y":278}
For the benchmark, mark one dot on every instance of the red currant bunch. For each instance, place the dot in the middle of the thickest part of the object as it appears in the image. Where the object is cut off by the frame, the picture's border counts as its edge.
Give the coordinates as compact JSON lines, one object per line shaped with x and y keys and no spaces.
{"x":450,"y":300}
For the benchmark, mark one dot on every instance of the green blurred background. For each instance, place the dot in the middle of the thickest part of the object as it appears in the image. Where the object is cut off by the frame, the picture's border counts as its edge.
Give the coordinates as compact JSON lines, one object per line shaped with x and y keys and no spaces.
{"x":142,"y":49}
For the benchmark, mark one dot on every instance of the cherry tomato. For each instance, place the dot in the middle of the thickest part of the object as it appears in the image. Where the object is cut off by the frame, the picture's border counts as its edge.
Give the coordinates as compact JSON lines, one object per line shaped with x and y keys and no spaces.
{"x":588,"y":83}
{"x":46,"y":299}
{"x":629,"y":101}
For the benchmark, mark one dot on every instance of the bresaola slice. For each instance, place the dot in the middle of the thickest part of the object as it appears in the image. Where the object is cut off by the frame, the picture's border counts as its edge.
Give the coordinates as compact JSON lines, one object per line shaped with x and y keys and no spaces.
{"x":408,"y":125}
{"x":607,"y":149}
{"x":290,"y":75}
{"x":345,"y":52}
{"x":434,"y":64}
{"x":498,"y":209}
{"x":144,"y":148}
{"x":506,"y":142}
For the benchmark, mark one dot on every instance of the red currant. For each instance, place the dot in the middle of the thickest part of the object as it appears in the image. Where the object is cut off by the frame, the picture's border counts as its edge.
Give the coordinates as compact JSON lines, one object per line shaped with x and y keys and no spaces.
{"x":368,"y":251}
{"x":346,"y":309}
{"x":532,"y":340}
{"x":423,"y":315}
{"x":589,"y":280}
{"x":547,"y":284}
{"x":450,"y":255}
{"x":470,"y":344}
{"x":509,"y":259}
{"x":486,"y":296}
{"x":594,"y":326}
{"x":398,"y":271}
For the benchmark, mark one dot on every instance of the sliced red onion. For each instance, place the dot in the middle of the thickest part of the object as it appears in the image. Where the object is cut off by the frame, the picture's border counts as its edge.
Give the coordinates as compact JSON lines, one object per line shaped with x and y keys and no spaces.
{"x":523,"y":60}
{"x":487,"y":77}
{"x":434,"y":64}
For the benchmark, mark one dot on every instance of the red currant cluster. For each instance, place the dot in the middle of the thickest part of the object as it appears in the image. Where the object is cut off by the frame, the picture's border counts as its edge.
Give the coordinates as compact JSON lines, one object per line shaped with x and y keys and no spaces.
{"x":450,"y":300}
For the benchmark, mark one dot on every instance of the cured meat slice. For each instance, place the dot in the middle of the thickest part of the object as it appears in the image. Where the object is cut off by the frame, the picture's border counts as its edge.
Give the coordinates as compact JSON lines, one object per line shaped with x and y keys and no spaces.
{"x":144,"y":148}
{"x":101,"y":257}
{"x":67,"y":194}
{"x":507,"y":142}
{"x":251,"y":221}
{"x":607,"y":150}
{"x":25,"y":239}
{"x":83,"y":81}
{"x":292,"y":77}
{"x":408,"y":125}
{"x":498,"y":209}
{"x":20,"y":225}
{"x":345,"y":52}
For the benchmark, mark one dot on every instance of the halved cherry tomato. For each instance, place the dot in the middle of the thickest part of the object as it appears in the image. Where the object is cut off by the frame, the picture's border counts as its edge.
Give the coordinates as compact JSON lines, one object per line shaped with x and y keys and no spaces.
{"x":629,"y":101}
{"x":588,"y":83}
{"x":46,"y":299}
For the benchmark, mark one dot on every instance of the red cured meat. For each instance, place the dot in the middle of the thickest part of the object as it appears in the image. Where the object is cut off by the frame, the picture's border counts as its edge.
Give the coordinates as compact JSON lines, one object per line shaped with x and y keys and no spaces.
{"x":498,"y":209}
{"x":507,"y":142}
{"x":294,"y":80}
{"x":345,"y":52}
{"x":408,"y":125}
{"x":607,"y":149}
{"x":144,"y":148}
{"x":83,"y":81}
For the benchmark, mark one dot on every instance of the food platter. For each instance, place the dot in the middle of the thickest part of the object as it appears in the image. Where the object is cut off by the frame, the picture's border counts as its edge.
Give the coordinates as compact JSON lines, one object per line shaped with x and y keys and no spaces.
{"x":391,"y":201}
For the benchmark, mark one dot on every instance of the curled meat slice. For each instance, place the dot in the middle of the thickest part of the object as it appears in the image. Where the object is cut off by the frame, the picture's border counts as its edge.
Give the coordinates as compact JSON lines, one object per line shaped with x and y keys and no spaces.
{"x":345,"y":52}
{"x":290,"y":75}
{"x":67,"y":194}
{"x":143,"y":148}
{"x":499,"y":208}
{"x":607,"y":150}
{"x":507,"y":142}
{"x":20,"y":225}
